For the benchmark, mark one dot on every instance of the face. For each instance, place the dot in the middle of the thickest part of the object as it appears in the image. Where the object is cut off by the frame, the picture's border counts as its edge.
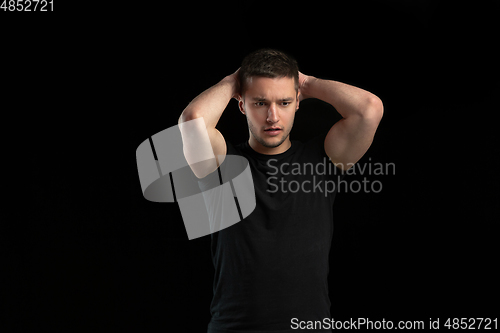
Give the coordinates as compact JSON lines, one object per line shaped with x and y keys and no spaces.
{"x":270,"y":106}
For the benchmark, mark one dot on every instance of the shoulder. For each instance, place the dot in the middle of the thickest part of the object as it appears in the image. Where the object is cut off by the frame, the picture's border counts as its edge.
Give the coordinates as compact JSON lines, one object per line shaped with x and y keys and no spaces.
{"x":313,"y":150}
{"x":315,"y":146}
{"x":236,"y":149}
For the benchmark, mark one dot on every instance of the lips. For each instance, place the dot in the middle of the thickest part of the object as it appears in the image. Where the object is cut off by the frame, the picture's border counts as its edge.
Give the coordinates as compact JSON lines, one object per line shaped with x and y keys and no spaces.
{"x":273,"y":131}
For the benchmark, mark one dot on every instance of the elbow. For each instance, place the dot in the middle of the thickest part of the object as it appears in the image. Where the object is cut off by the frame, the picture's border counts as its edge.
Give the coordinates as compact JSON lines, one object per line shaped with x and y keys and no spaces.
{"x":374,"y":109}
{"x":187,"y":115}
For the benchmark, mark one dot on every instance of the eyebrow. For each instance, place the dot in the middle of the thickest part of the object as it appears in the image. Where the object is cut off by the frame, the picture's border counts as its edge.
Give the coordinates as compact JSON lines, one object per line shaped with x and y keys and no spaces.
{"x":262,"y":99}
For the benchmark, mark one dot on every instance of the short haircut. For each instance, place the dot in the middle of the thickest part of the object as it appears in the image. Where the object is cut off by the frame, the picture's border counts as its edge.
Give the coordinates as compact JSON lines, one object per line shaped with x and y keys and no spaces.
{"x":268,"y":63}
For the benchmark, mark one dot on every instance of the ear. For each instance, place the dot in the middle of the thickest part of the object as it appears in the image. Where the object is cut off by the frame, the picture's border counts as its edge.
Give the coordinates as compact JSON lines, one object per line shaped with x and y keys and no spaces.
{"x":298,"y":101}
{"x":240,"y":104}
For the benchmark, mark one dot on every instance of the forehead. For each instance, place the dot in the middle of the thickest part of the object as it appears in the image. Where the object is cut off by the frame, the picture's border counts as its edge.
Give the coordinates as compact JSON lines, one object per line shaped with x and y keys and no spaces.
{"x":270,"y":87}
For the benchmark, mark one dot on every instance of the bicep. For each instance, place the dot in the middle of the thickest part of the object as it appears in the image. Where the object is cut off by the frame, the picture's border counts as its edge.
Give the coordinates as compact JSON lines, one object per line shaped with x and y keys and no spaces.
{"x":218,"y":144}
{"x":204,"y":148}
{"x":349,"y":139}
{"x":214,"y":152}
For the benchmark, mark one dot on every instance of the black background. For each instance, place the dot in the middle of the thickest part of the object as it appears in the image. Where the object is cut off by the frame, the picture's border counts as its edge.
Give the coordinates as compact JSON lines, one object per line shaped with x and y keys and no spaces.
{"x":95,"y":255}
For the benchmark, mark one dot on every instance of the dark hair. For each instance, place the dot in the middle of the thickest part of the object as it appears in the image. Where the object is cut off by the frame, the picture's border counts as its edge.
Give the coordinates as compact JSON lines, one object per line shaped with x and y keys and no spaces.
{"x":268,"y":63}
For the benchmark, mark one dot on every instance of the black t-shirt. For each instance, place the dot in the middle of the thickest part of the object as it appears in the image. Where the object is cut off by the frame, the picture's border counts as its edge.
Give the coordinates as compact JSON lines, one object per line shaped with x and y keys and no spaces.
{"x":273,"y":265}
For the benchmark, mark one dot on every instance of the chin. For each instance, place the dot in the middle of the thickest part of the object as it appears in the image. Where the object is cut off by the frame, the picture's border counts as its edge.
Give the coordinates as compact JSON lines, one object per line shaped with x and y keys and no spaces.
{"x":272,"y":143}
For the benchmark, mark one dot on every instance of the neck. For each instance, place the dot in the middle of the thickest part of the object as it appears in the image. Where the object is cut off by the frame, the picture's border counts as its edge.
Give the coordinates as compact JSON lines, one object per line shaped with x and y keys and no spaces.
{"x":258,"y":147}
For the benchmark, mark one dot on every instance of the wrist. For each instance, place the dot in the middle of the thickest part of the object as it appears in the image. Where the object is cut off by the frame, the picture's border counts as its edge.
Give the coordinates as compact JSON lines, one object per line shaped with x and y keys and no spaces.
{"x":305,"y":86}
{"x":232,"y":83}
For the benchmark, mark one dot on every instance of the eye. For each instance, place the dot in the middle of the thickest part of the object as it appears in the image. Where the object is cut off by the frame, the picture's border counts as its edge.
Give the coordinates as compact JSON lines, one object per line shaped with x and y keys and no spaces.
{"x":285,"y":103}
{"x":260,"y":104}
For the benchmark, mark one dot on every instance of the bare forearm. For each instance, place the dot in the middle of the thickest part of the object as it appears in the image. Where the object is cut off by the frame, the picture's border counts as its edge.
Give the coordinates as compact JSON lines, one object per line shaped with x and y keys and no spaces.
{"x":211,"y":103}
{"x":347,"y":100}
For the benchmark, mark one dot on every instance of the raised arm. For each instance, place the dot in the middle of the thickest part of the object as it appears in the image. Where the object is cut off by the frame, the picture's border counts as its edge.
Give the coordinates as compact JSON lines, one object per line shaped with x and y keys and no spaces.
{"x":349,"y":138}
{"x":209,"y":105}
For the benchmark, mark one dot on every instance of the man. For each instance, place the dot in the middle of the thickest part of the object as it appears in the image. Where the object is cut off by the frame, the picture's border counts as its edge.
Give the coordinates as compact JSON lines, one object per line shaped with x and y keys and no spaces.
{"x":273,"y":266}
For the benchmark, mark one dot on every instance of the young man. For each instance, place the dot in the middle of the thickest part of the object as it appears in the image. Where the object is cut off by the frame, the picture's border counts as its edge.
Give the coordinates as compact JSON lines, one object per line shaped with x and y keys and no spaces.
{"x":271,"y":268}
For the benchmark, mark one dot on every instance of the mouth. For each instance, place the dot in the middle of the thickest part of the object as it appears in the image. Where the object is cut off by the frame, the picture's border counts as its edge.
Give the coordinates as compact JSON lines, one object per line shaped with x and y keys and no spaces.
{"x":273,"y":131}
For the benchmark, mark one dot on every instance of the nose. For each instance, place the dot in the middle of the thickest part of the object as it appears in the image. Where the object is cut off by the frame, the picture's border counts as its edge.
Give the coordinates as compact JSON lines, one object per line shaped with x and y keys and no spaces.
{"x":272,"y":114}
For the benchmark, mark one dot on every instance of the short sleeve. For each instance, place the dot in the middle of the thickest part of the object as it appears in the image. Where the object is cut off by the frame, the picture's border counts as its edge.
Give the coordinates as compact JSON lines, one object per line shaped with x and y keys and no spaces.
{"x":316,"y":146}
